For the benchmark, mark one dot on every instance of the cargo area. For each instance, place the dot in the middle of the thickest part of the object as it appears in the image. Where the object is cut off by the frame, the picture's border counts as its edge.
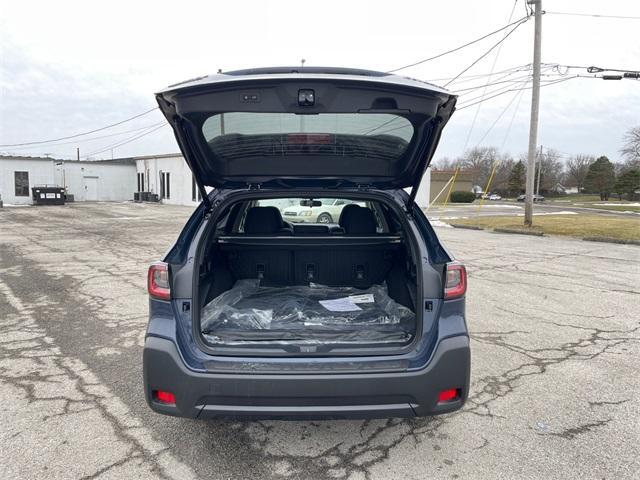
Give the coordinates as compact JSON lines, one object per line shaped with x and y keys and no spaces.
{"x":306,"y":315}
{"x":267,"y":283}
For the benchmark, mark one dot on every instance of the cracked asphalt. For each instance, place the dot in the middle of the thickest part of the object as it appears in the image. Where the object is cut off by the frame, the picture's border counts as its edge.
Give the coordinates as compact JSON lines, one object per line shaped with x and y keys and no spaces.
{"x":555,"y":390}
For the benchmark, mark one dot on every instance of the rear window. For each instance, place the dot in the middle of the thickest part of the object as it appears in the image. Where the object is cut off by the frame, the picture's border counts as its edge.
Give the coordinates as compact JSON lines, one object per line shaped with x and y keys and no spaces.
{"x":300,"y":210}
{"x":248,"y":134}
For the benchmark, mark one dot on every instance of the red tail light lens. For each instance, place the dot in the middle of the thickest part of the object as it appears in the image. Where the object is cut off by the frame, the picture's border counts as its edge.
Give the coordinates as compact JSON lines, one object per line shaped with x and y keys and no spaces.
{"x":448,"y":395}
{"x":164,"y":397}
{"x":456,"y":285}
{"x":158,"y":281}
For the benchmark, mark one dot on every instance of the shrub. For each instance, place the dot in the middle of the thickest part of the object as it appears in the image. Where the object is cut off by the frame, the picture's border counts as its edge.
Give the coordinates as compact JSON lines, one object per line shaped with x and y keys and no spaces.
{"x":460,"y":196}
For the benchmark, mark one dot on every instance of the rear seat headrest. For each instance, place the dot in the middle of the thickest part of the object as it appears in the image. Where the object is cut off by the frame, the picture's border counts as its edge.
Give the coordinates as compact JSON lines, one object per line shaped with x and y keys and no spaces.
{"x":264,"y":221}
{"x":345,"y":213}
{"x":357,"y":220}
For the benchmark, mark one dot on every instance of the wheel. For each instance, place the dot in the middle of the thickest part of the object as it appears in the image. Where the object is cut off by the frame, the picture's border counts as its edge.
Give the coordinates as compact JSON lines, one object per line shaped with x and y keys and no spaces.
{"x":325,"y":218}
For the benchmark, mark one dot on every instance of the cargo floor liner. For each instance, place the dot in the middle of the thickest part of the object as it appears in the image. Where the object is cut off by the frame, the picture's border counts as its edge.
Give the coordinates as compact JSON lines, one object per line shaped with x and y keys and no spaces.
{"x":315,"y":314}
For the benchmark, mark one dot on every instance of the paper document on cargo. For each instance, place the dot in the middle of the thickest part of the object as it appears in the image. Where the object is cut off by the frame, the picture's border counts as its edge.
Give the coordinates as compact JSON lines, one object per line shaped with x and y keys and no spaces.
{"x":340,"y":305}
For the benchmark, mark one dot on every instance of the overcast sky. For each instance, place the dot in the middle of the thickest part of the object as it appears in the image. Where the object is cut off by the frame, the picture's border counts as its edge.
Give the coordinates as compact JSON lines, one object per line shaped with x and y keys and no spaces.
{"x":69,"y":67}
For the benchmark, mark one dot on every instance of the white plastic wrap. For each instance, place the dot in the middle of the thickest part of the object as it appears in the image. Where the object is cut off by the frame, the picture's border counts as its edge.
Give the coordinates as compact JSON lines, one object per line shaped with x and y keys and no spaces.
{"x":314,"y":314}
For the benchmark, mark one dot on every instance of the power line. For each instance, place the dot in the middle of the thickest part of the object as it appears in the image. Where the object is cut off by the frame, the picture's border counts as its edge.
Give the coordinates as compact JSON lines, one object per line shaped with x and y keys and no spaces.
{"x":516,"y":69}
{"x":469,"y":78}
{"x":469,"y":90}
{"x":504,"y":79}
{"x":596,"y":15}
{"x":510,"y":83}
{"x":513,"y":117}
{"x":81,"y":134}
{"x":136,"y":137}
{"x":381,"y":125}
{"x":488,"y":51}
{"x":394,"y":129}
{"x":505,"y":88}
{"x":484,"y":91}
{"x":513,"y":90}
{"x":593,"y":69}
{"x":501,"y":114}
{"x":457,"y":48}
{"x":85,"y":140}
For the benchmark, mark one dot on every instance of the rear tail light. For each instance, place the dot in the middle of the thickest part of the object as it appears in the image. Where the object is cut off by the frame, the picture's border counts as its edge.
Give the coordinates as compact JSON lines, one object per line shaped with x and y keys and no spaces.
{"x":449,"y":395}
{"x":164,"y":397}
{"x":158,"y":281}
{"x":456,"y":285}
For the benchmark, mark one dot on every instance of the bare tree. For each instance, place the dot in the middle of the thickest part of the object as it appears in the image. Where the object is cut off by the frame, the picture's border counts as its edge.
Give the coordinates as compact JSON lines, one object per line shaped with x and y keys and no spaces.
{"x":479,"y":161}
{"x":631,"y":149}
{"x":444,"y":163}
{"x":500,"y":181}
{"x":551,"y":170}
{"x":576,"y":170}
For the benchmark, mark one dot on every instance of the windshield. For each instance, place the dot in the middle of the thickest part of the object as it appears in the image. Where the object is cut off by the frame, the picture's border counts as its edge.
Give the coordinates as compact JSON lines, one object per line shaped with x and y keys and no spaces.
{"x":249,"y":134}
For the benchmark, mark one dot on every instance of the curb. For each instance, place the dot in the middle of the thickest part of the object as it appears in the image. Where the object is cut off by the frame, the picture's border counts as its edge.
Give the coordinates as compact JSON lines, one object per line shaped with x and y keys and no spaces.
{"x":611,"y":240}
{"x":467,"y":227}
{"x":534,"y":233}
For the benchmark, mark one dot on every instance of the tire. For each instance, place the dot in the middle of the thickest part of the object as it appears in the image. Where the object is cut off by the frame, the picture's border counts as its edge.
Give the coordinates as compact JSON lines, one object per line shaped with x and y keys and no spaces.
{"x":325,"y":218}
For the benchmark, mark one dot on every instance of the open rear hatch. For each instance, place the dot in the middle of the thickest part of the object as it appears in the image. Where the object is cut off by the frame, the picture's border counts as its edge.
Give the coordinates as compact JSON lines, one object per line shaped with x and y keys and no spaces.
{"x":316,"y":127}
{"x":300,"y":130}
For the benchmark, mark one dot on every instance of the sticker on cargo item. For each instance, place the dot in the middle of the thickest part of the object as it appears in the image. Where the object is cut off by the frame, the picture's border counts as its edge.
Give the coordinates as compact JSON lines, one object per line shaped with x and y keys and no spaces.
{"x":340,"y":305}
{"x":365,"y":298}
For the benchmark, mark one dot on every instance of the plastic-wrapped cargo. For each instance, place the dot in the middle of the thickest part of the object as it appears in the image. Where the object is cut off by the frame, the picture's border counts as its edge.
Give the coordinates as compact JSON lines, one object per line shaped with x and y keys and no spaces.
{"x":250,"y":313}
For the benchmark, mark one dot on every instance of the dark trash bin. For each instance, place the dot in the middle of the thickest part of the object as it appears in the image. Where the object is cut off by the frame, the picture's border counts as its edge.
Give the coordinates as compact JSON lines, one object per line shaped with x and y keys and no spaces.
{"x":47,"y":195}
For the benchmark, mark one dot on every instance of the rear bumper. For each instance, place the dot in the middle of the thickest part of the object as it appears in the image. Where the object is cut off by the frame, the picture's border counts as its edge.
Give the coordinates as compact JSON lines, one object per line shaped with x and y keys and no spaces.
{"x":365,"y":395}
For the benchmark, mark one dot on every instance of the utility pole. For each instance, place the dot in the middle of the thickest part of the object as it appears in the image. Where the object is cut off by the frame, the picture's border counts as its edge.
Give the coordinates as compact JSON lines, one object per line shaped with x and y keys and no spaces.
{"x":78,"y":153}
{"x":539,"y":170}
{"x":535,"y":109}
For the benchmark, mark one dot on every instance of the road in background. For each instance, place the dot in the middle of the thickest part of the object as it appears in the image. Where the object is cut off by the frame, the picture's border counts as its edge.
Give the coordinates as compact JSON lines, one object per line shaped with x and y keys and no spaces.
{"x":502,"y":208}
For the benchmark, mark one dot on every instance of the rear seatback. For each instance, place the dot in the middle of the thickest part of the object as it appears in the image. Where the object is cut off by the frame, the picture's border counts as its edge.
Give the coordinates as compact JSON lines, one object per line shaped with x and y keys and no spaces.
{"x":299,"y":264}
{"x":337,"y":261}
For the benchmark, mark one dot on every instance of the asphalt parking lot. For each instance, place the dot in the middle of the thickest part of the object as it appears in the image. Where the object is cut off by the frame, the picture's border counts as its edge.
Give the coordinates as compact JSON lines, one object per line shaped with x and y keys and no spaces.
{"x":555,"y":393}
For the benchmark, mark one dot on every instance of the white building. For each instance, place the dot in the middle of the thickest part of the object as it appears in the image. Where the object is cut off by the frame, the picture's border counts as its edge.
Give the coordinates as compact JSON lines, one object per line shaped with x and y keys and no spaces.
{"x":424,"y":192}
{"x":105,"y":180}
{"x":169,"y":177}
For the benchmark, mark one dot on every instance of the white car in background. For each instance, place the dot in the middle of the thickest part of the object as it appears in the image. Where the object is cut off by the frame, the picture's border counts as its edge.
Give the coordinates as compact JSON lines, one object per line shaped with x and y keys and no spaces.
{"x":495,"y":196}
{"x":327,"y":212}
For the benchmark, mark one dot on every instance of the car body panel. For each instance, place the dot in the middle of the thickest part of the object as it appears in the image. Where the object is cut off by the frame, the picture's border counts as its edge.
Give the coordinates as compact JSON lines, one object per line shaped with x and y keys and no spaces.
{"x":295,"y":396}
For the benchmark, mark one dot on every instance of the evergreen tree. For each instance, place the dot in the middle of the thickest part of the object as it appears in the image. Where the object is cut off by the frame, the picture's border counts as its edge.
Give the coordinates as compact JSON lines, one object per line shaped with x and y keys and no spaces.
{"x":517,"y":178}
{"x":600,"y":178}
{"x":627,"y":183}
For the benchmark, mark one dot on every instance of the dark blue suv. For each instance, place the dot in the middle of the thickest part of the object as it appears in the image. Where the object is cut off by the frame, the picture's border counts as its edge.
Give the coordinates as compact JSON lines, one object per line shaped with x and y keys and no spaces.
{"x":257,"y":311}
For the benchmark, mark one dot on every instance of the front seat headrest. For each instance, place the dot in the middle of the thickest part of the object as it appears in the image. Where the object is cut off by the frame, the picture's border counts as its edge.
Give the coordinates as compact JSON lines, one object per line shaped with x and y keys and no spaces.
{"x":357,"y":220}
{"x":264,"y":221}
